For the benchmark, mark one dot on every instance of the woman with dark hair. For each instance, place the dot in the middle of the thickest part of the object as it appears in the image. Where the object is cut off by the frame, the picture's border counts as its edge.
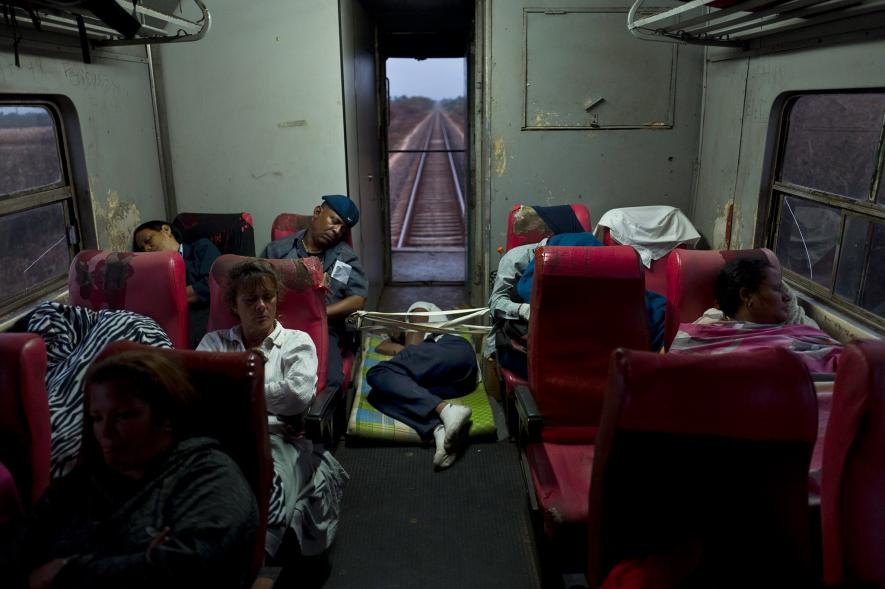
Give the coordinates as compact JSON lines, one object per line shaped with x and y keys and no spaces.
{"x":755,"y":312}
{"x":308,"y":481}
{"x":160,"y":236}
{"x":147,"y":506}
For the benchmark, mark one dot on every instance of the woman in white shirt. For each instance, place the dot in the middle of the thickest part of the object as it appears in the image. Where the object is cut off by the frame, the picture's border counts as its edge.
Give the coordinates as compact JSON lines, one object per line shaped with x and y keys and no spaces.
{"x":308,"y":481}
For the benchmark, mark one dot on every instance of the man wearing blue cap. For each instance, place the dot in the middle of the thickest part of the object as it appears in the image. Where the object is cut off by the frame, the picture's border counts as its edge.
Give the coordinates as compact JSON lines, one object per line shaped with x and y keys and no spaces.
{"x":348,"y":285}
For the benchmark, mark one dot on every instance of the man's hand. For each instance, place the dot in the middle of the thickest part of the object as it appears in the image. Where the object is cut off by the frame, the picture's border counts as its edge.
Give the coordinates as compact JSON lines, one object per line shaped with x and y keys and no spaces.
{"x":525,"y":311}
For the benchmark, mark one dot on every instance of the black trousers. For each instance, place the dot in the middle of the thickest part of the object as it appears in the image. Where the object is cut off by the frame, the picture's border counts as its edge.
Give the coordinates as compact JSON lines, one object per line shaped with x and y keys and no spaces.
{"x":409,"y":386}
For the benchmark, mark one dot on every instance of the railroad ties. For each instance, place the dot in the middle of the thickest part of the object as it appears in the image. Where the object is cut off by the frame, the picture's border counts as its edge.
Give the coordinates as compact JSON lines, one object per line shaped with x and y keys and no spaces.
{"x":430,"y":211}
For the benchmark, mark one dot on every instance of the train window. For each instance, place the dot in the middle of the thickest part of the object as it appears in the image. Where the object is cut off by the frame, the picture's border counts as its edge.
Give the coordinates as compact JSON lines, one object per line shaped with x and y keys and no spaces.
{"x":37,"y":212}
{"x":829,"y":210}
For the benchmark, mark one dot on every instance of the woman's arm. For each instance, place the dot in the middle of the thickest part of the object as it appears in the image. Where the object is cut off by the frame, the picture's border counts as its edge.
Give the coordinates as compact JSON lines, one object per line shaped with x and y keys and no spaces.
{"x":290,"y":387}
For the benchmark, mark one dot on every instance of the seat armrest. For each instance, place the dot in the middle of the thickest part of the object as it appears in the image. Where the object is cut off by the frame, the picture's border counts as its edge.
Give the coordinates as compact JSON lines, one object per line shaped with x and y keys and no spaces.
{"x":530,"y":421}
{"x":319,"y":420}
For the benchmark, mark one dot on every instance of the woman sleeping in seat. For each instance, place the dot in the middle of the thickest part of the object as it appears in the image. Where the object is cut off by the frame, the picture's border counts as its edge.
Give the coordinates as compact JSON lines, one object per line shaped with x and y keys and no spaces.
{"x":160,"y":236}
{"x":308,"y":481}
{"x":754,"y":312}
{"x":147,"y":506}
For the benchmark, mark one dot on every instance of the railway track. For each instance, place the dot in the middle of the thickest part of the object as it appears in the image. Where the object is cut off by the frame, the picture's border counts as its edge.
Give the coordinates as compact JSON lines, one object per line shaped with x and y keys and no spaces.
{"x":431,"y":207}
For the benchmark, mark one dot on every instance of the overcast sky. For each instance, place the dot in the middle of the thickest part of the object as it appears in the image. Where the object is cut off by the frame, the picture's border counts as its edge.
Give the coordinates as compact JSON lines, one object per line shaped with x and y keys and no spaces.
{"x":434,"y":78}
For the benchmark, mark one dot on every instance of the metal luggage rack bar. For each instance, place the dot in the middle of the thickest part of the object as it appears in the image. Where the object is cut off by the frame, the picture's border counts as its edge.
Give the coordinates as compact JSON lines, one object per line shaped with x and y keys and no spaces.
{"x":740,"y":22}
{"x":156,"y":26}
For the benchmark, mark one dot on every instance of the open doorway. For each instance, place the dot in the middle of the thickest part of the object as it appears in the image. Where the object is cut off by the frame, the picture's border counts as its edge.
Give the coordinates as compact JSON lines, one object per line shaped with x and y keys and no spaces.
{"x":427,"y":166}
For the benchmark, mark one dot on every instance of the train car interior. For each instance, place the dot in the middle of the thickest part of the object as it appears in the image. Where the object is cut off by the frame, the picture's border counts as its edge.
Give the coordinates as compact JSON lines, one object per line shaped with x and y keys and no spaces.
{"x":560,"y":293}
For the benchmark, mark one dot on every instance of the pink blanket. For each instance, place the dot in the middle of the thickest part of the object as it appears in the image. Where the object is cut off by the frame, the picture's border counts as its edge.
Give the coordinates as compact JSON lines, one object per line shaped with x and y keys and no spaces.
{"x":817,"y":350}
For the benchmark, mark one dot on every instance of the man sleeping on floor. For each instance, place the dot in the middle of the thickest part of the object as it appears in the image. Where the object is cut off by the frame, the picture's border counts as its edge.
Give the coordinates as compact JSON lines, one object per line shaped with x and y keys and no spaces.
{"x":426,"y":370}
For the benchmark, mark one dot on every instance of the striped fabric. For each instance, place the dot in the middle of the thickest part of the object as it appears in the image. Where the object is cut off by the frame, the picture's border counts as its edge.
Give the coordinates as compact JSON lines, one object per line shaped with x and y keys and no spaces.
{"x":74,"y":336}
{"x":367,"y":422}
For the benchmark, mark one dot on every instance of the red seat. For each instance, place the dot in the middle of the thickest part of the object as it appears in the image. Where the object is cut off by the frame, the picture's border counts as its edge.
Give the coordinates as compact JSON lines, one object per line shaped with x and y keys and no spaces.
{"x":301,"y":306}
{"x":232,"y":233}
{"x":690,"y":278}
{"x":517,"y":236}
{"x":10,"y":503}
{"x":656,"y":276}
{"x":568,"y":354}
{"x":24,"y":413}
{"x":231,"y":409}
{"x":853,"y":477}
{"x":286,"y":224}
{"x":701,"y":464}
{"x":151,"y":284}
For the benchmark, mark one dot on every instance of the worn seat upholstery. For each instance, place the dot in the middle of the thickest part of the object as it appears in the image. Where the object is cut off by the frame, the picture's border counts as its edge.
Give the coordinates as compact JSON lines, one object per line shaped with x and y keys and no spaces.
{"x":232,"y":233}
{"x":700,"y":470}
{"x":690,"y":278}
{"x":586,"y":301}
{"x":522,"y":231}
{"x":24,"y":413}
{"x":148,"y":283}
{"x":301,"y":306}
{"x":853,"y":476}
{"x":231,"y":407}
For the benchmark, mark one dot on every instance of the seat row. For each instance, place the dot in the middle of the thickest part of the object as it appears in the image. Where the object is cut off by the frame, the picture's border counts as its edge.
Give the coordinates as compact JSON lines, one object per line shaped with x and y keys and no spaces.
{"x":691,"y":465}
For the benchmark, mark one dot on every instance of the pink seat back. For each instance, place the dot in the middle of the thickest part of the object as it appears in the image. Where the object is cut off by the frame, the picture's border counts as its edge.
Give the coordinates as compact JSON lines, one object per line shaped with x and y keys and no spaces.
{"x":586,"y":301}
{"x":853,"y":476}
{"x":230,"y":389}
{"x":656,"y":276}
{"x":704,"y":460}
{"x":302,"y":304}
{"x":691,"y":275}
{"x":533,"y":232}
{"x":24,"y":413}
{"x":150,"y":284}
{"x":286,"y":224}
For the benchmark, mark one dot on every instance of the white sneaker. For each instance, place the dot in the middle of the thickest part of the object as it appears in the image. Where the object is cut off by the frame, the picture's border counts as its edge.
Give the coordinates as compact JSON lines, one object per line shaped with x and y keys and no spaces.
{"x":441,"y":458}
{"x":456,"y":419}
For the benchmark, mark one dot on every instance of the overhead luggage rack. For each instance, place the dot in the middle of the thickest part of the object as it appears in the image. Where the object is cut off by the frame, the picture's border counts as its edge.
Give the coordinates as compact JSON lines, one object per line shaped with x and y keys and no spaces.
{"x":740,"y":23}
{"x":103,"y":23}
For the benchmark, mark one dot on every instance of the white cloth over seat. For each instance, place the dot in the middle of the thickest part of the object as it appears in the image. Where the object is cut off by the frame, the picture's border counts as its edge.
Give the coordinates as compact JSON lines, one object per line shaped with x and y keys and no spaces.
{"x":652,"y":231}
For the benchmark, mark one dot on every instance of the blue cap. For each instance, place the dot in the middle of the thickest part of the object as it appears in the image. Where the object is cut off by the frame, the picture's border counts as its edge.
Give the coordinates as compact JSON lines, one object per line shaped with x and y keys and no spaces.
{"x":344,"y":207}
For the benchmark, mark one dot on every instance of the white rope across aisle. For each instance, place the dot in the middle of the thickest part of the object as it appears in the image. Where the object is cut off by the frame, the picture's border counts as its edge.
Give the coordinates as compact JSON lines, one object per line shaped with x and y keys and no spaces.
{"x":376,"y":321}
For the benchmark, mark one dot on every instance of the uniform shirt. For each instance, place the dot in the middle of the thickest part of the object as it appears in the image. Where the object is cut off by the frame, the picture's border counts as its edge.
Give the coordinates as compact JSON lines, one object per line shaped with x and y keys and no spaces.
{"x":198,"y":258}
{"x":290,"y":373}
{"x":339,"y":262}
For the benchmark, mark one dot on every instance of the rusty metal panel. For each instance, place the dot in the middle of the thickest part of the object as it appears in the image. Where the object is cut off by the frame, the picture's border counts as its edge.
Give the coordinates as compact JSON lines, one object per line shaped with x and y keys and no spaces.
{"x":583,"y":70}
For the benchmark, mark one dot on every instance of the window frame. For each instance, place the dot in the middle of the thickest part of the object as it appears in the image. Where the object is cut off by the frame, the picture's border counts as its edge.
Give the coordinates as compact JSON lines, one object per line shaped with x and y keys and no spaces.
{"x":868,"y":210}
{"x":65,"y":193}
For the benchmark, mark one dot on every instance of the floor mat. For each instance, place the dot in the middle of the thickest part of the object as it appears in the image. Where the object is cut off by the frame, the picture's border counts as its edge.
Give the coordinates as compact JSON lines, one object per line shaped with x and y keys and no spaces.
{"x":403,"y":525}
{"x":367,"y":422}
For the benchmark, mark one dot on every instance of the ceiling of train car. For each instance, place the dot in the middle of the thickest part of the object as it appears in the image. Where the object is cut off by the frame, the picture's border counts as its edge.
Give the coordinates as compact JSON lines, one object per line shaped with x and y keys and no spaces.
{"x":422,"y":28}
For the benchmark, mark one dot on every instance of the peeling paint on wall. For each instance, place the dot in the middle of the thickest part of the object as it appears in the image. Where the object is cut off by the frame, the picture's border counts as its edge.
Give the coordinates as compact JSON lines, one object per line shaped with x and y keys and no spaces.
{"x":727,"y":227}
{"x":115,"y":222}
{"x":499,"y":154}
{"x":721,"y":225}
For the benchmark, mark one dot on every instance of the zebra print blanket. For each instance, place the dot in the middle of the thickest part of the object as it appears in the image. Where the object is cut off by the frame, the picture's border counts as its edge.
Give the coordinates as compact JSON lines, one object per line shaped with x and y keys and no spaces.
{"x":74,"y":336}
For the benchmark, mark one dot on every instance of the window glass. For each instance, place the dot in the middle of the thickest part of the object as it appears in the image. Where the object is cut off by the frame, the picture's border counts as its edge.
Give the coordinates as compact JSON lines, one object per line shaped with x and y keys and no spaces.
{"x":873,"y":295}
{"x":832,"y":142}
{"x":807,"y":235}
{"x":852,"y":254}
{"x":29,"y":158}
{"x":33,"y":249}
